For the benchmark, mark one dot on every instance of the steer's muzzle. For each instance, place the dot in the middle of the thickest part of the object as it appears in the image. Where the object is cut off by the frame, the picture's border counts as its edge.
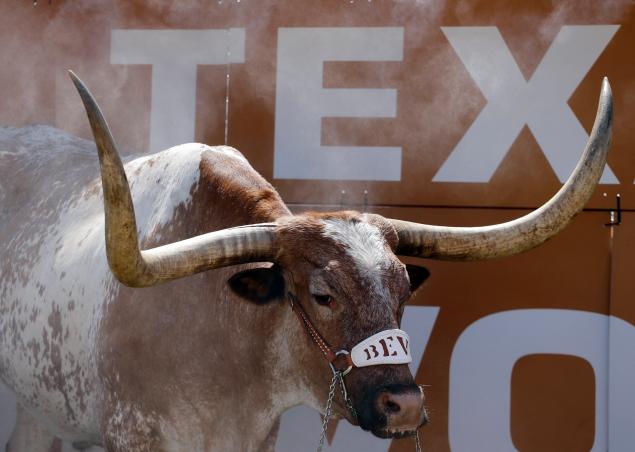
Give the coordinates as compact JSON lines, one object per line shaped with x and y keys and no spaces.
{"x":393,"y":411}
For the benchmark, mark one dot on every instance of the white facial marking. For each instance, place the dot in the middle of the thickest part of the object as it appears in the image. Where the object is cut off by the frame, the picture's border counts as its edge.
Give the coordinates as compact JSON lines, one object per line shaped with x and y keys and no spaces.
{"x":364,"y":243}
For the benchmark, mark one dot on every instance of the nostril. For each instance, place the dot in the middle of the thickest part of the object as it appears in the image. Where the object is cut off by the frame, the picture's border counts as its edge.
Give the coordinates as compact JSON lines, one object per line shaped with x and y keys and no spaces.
{"x":388,"y":405}
{"x":392,"y":407}
{"x":400,"y":410}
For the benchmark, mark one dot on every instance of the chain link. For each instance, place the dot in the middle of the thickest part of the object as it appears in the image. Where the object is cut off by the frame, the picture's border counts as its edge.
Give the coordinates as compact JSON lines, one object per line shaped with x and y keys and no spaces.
{"x":327,"y":412}
{"x":347,"y":400}
{"x":417,"y":442}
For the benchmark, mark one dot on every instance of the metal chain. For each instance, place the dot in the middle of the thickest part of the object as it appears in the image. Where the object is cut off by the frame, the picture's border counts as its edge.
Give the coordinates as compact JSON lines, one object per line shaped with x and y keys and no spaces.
{"x":417,"y":442}
{"x":327,"y":412}
{"x":347,"y":400}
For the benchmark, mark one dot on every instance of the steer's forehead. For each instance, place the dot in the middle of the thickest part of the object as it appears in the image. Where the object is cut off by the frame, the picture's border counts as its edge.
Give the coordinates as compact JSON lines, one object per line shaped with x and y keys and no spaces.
{"x":361,"y":241}
{"x":365,"y":259}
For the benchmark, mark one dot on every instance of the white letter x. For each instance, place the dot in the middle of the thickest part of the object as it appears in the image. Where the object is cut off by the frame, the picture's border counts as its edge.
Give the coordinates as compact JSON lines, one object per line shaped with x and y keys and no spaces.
{"x":512,"y":102}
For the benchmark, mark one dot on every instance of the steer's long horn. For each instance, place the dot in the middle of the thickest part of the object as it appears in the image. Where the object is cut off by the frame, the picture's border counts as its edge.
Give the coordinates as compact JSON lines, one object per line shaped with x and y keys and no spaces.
{"x":505,"y":239}
{"x":136,"y":268}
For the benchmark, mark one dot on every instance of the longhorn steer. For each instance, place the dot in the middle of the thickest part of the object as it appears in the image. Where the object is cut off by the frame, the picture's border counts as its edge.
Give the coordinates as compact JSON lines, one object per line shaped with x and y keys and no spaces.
{"x":210,"y":360}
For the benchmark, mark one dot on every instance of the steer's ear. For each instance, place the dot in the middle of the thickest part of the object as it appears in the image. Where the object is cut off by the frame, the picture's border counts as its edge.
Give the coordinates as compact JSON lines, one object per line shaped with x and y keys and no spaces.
{"x":259,"y":285}
{"x":417,"y":275}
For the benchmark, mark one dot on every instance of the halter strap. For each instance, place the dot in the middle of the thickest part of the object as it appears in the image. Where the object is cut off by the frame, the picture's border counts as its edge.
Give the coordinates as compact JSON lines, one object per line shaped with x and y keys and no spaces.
{"x":324,"y":346}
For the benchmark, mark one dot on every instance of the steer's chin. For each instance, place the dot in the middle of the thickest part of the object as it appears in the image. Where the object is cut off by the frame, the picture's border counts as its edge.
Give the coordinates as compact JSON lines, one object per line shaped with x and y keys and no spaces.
{"x":393,"y":433}
{"x":383,"y":432}
{"x":397,"y":431}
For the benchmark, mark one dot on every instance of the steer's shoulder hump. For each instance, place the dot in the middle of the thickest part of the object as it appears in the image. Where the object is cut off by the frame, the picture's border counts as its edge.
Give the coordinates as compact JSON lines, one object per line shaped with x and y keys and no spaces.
{"x":228,"y":173}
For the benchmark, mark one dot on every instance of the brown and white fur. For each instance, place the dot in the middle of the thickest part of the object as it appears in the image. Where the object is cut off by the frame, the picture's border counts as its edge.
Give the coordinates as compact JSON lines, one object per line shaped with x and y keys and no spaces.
{"x":205,"y":363}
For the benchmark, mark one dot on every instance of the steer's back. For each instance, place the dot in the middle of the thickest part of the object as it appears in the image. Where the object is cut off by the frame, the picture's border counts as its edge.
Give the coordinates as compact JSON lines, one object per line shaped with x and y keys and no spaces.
{"x":54,"y":281}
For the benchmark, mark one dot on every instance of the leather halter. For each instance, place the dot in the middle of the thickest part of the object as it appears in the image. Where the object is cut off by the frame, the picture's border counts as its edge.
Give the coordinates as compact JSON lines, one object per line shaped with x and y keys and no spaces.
{"x":331,"y":356}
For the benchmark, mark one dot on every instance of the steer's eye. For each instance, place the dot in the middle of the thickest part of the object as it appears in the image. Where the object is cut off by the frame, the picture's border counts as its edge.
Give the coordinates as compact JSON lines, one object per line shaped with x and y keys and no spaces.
{"x":323,"y":300}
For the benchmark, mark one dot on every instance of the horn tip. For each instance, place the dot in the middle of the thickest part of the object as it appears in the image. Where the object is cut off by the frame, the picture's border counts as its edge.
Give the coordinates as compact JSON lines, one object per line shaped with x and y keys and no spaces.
{"x":73,"y":76}
{"x":79,"y":85}
{"x":86,"y":96}
{"x":606,"y":87}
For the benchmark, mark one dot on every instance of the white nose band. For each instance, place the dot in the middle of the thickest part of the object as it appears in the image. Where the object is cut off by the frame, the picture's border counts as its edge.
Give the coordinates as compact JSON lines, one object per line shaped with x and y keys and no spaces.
{"x":385,"y":347}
